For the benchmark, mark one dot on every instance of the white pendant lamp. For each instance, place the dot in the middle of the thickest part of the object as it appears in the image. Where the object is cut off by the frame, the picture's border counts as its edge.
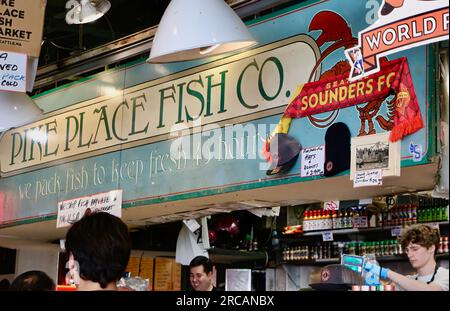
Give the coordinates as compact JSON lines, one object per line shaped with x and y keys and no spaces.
{"x":86,"y":11}
{"x":193,"y":29}
{"x":17,"y":109}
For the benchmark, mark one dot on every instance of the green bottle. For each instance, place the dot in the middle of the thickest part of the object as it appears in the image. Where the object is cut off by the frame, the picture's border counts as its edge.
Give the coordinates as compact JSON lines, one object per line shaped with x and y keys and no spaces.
{"x":444,"y":213}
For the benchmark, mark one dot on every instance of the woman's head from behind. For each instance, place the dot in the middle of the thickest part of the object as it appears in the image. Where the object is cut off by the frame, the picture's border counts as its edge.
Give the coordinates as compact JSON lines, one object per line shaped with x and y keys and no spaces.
{"x":100,"y":244}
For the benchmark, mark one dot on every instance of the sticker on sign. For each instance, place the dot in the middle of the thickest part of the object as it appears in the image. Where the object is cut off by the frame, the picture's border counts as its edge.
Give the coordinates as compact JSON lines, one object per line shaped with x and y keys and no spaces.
{"x":72,"y":210}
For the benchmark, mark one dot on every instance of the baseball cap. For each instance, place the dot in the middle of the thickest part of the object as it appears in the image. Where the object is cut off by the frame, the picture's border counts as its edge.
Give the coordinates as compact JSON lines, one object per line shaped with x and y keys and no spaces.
{"x":337,"y":149}
{"x":284,"y":151}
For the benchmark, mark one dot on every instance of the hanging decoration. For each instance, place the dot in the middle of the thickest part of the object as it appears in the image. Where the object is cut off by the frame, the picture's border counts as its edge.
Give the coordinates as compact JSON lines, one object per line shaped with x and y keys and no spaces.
{"x":337,"y":92}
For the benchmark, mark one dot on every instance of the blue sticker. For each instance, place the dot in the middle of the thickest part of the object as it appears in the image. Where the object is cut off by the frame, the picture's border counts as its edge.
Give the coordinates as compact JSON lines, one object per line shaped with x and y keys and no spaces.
{"x":416,"y":151}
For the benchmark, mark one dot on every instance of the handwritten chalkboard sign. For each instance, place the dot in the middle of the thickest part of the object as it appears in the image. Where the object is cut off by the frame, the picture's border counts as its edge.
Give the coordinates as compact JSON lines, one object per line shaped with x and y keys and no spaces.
{"x":13,"y":71}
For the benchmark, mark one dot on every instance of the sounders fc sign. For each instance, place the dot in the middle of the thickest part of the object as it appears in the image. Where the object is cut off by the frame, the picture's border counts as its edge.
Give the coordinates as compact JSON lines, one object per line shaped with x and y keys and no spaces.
{"x":240,"y":88}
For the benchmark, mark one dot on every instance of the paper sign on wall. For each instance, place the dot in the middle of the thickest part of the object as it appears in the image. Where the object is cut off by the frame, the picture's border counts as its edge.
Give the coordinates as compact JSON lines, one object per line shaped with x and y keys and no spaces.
{"x":70,"y":211}
{"x":368,"y":178}
{"x":13,"y":71}
{"x":312,"y":161}
{"x":21,"y":26}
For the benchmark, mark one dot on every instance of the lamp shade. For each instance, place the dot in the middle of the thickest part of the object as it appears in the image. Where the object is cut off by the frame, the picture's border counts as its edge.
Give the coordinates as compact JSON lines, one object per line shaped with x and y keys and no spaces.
{"x":86,"y":11}
{"x":17,"y":109}
{"x":197,"y":29}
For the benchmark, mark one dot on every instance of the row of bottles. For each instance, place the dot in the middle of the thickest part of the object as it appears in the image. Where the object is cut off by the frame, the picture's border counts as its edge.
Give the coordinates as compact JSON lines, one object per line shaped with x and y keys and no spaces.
{"x":356,"y":217}
{"x":398,"y":215}
{"x":378,"y":248}
{"x":308,"y":252}
{"x":409,"y":214}
{"x":316,"y":220}
{"x":377,"y":288}
{"x":328,"y":250}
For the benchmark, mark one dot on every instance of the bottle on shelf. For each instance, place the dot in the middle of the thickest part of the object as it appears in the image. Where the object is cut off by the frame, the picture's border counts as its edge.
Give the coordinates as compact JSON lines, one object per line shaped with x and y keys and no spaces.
{"x":334,"y":219}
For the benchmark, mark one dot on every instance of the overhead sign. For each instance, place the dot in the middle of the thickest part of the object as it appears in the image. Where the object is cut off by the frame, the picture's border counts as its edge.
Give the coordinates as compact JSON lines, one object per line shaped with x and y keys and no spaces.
{"x":70,"y":211}
{"x":21,"y":26}
{"x":237,"y":87}
{"x":13,"y":71}
{"x":402,"y":25}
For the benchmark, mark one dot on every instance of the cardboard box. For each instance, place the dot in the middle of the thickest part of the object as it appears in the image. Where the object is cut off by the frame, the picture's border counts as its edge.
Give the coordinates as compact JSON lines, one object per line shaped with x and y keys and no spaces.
{"x":167,"y":275}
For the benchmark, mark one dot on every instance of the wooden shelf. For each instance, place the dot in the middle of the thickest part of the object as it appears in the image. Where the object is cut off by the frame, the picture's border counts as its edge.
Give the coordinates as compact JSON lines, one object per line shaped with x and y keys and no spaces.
{"x":349,"y":231}
{"x":311,"y":262}
{"x":219,"y":255}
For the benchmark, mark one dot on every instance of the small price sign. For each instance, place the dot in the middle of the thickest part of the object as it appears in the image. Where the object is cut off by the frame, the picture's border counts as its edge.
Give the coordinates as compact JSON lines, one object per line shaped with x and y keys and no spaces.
{"x":395,"y":231}
{"x":327,"y":236}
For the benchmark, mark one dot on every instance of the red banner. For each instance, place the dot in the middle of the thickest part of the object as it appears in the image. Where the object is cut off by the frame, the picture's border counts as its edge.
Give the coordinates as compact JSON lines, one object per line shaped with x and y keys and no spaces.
{"x":337,"y":92}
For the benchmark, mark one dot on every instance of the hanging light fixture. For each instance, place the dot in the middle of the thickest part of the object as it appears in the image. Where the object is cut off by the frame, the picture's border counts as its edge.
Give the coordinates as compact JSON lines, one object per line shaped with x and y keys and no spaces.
{"x":86,"y":11}
{"x":197,"y":29}
{"x":17,"y":109}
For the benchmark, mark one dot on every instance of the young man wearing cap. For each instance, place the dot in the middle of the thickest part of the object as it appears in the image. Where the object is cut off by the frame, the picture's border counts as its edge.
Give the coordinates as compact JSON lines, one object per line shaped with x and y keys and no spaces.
{"x":420,"y":243}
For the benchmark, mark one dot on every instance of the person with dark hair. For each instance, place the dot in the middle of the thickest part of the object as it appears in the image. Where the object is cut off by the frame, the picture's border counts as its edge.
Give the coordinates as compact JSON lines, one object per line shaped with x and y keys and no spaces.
{"x":4,"y":285}
{"x":32,"y":281}
{"x":99,"y":248}
{"x":201,"y":273}
{"x":420,"y":243}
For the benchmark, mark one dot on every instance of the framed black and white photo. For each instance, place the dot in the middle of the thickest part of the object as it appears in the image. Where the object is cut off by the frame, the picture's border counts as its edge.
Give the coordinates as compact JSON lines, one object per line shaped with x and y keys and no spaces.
{"x":375,"y":152}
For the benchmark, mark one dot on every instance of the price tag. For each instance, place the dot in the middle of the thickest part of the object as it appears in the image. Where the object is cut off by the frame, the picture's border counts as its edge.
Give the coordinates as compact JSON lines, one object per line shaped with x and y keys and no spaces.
{"x":327,"y":236}
{"x":395,"y":231}
{"x":368,"y":178}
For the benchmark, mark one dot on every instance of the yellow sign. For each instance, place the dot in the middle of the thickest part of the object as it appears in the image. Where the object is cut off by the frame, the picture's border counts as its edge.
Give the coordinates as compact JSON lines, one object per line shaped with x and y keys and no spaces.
{"x":21,"y":26}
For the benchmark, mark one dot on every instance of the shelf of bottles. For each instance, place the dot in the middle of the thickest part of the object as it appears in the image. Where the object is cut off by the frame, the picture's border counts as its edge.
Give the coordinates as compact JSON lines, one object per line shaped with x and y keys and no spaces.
{"x":330,"y":252}
{"x":354,"y":219}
